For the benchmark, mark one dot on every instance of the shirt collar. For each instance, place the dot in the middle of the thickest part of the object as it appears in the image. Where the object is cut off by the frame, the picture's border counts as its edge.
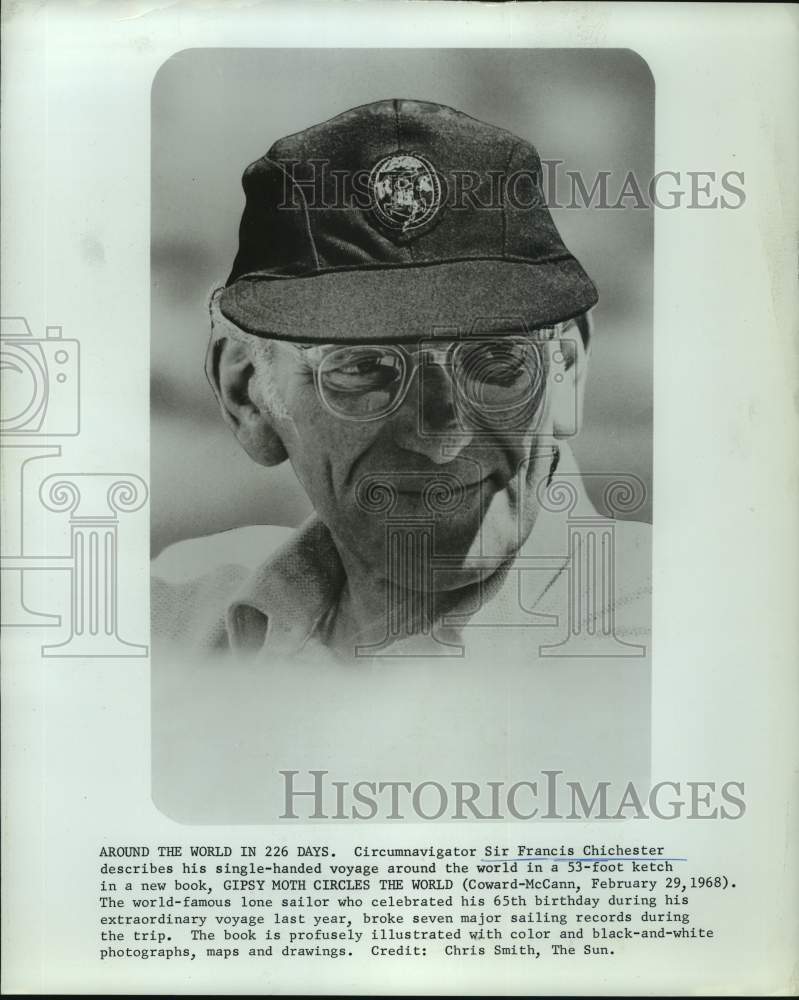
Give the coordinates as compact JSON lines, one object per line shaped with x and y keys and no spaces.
{"x":284,"y":599}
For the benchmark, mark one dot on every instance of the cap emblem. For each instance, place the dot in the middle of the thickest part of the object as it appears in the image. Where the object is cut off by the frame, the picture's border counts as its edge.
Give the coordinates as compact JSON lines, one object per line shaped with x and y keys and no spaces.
{"x":406,"y":192}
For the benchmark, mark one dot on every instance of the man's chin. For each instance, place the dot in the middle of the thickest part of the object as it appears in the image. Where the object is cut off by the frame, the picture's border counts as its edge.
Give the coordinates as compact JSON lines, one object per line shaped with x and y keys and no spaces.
{"x":459,"y":551}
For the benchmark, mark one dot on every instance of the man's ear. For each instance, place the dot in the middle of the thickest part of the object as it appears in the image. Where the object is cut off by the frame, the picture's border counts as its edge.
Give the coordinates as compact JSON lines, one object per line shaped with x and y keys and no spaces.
{"x":568,"y":373}
{"x":230,"y":369}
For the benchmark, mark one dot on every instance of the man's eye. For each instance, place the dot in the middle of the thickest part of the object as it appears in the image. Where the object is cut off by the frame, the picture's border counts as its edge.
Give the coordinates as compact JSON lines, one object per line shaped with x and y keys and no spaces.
{"x":502,"y":366}
{"x":360,"y":374}
{"x":501,"y":371}
{"x":367,"y":367}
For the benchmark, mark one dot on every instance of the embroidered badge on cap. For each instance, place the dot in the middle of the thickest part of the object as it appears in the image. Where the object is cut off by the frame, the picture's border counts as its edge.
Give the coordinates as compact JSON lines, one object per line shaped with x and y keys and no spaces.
{"x":406,"y":192}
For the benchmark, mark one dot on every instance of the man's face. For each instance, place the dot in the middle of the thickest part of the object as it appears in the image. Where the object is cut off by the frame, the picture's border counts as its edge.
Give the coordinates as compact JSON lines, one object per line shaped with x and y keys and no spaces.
{"x":428,"y":463}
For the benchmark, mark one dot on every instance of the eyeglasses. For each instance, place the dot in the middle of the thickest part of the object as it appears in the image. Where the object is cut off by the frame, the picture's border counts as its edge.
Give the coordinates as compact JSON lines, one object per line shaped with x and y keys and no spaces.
{"x":495,"y":381}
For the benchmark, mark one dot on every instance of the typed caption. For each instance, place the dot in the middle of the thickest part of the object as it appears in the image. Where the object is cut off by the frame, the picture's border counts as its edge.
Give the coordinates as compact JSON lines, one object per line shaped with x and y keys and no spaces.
{"x":275,"y":902}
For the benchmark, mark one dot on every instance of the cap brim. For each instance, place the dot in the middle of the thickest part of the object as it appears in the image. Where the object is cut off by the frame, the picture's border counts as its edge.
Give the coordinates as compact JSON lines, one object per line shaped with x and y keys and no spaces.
{"x":408,"y":302}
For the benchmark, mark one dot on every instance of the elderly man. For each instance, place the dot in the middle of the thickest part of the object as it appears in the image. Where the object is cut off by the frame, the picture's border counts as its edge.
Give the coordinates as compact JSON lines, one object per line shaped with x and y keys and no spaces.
{"x":404,"y":324}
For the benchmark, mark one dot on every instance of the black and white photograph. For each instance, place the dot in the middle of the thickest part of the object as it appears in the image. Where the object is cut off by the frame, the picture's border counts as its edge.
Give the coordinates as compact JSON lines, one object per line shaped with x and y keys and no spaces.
{"x":398,"y":453}
{"x":402,"y":450}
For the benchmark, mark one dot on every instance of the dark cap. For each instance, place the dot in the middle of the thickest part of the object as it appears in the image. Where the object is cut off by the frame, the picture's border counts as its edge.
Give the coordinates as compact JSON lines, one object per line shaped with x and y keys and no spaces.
{"x":394,"y":218}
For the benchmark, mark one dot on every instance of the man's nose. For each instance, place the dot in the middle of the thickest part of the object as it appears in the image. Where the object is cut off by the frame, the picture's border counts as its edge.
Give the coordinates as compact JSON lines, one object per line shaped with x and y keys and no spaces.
{"x":431,"y":424}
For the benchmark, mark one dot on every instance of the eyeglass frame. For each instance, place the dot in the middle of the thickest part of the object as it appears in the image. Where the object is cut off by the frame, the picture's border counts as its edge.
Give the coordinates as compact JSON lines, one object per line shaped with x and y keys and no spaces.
{"x":442,"y":356}
{"x":546,"y":334}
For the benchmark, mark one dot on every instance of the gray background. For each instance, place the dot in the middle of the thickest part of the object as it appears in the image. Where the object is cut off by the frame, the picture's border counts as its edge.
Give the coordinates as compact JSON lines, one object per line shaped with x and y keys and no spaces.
{"x":216,"y":110}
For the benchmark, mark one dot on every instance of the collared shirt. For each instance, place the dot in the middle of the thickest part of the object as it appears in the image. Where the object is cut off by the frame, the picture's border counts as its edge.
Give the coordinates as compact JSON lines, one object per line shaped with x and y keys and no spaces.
{"x":579,"y":586}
